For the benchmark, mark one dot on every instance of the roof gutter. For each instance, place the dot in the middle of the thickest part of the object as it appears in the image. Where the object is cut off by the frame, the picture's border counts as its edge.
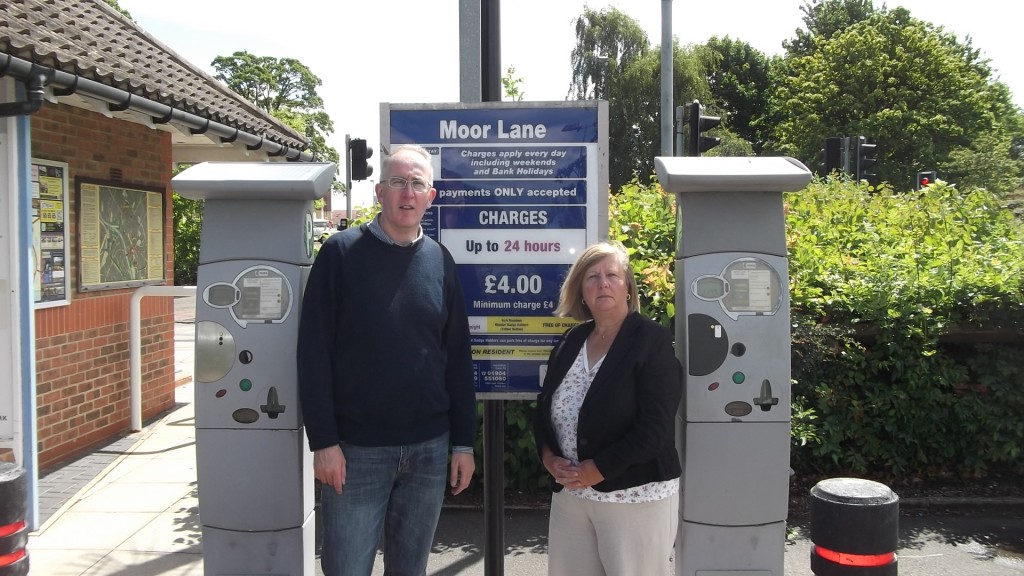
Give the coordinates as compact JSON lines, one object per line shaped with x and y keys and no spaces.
{"x":64,"y":84}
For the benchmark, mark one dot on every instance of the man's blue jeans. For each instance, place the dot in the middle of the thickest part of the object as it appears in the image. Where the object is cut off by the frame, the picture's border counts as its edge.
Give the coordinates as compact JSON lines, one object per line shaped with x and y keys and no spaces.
{"x":395,"y":489}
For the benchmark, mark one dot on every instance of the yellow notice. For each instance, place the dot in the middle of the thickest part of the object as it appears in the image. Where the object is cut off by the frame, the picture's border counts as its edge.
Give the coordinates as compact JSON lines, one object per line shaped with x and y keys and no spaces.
{"x":528,"y":325}
{"x":511,"y":352}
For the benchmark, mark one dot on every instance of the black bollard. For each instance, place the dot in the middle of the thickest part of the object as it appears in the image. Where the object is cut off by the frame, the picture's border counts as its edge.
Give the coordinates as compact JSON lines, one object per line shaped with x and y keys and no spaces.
{"x":13,"y":528}
{"x":854,"y":528}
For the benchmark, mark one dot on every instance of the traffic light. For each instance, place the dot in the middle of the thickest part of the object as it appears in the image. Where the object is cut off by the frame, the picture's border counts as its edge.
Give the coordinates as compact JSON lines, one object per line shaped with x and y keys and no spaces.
{"x":865,"y":158}
{"x":927,"y":178}
{"x":358,"y":154}
{"x":698,"y":124}
{"x":832,"y":160}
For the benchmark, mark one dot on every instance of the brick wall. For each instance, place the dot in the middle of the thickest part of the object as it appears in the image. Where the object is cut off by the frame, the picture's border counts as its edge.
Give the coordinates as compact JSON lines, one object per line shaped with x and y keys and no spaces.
{"x":82,"y":350}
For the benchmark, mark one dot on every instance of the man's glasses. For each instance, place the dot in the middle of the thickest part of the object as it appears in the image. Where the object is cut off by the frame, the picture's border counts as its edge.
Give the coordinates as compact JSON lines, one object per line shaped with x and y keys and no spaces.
{"x":399,"y":183}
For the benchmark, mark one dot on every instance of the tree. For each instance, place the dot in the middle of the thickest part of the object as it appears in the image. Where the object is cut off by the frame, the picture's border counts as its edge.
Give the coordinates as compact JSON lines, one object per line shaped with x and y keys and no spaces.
{"x":613,"y":59}
{"x":188,"y":227}
{"x":986,"y":163}
{"x":116,"y":6}
{"x":606,"y":42}
{"x":824,"y":19}
{"x":739,"y":77}
{"x":922,"y":96}
{"x":285,"y":88}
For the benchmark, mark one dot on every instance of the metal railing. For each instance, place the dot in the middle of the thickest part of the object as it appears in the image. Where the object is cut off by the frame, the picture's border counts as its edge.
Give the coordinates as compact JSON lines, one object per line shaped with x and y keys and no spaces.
{"x":135,"y":342}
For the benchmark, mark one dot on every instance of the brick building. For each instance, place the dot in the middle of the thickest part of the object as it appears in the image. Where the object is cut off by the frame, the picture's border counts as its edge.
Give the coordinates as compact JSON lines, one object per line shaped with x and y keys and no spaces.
{"x":94,"y":114}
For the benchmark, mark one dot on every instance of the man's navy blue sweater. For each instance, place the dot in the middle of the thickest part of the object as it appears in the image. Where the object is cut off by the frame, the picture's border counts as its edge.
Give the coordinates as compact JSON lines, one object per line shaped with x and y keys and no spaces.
{"x":383,"y":350}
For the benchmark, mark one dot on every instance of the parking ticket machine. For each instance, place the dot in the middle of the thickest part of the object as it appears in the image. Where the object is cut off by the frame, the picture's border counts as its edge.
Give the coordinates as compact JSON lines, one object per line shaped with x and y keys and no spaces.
{"x":254,"y":469}
{"x":733,"y":338}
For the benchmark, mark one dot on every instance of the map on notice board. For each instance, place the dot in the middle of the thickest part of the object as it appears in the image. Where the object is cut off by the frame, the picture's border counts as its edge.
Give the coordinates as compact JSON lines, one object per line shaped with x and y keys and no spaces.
{"x":121,"y":235}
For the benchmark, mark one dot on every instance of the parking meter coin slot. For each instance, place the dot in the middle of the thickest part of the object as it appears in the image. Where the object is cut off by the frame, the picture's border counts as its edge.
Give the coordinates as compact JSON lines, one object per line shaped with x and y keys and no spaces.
{"x":708,"y":344}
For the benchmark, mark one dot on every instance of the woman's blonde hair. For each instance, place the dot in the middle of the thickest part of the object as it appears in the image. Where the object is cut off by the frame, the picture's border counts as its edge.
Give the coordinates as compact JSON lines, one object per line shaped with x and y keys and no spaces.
{"x":570,"y":299}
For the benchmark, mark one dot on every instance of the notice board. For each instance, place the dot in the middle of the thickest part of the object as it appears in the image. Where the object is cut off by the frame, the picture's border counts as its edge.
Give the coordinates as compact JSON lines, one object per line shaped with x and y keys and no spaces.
{"x":522,"y":190}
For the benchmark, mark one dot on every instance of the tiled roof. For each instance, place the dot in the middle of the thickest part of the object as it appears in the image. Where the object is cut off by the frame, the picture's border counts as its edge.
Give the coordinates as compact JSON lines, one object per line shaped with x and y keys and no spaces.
{"x":89,"y":39}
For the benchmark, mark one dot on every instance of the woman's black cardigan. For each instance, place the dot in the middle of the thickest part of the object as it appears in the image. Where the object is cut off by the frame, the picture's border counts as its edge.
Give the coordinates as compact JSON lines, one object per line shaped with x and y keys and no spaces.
{"x":627,"y":420}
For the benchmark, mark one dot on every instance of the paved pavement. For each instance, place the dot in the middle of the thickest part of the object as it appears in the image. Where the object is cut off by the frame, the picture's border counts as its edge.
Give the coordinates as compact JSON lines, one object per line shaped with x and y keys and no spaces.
{"x":130,"y":509}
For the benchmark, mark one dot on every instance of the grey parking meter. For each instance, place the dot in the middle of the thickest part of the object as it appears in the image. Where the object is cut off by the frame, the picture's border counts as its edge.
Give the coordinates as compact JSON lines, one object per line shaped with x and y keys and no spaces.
{"x":733,"y":337}
{"x":254,"y":470}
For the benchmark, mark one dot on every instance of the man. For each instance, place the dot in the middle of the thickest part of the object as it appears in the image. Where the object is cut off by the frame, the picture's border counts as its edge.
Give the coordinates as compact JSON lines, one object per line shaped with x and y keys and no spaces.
{"x":385,"y":379}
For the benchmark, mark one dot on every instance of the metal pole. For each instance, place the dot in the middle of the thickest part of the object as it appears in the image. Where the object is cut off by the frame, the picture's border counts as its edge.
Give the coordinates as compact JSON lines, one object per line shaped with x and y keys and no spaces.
{"x":666,"y":77}
{"x":494,"y":410}
{"x":469,"y":50}
{"x":490,"y":19}
{"x":494,"y":487}
{"x":348,"y":179}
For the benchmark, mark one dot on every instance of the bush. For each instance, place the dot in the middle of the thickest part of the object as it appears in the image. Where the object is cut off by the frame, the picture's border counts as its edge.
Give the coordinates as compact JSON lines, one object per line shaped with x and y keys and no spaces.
{"x":879,"y":283}
{"x":643,"y":219}
{"x":188,"y":225}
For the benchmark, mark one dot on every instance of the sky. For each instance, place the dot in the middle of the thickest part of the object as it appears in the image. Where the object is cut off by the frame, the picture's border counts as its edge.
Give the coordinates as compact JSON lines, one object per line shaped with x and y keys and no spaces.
{"x":407,"y":51}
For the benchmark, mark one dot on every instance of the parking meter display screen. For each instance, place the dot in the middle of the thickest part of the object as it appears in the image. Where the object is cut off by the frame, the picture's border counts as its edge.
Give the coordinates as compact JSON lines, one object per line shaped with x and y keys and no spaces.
{"x":264,"y":296}
{"x":754,"y":287}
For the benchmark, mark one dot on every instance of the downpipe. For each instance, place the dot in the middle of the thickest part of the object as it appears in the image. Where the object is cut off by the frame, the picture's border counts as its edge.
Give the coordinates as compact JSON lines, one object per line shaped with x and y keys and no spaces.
{"x":34,"y":83}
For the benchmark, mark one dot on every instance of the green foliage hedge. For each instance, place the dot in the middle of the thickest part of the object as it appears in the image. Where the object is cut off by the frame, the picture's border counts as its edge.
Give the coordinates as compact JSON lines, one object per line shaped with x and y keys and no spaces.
{"x":188,"y":225}
{"x":880,"y":283}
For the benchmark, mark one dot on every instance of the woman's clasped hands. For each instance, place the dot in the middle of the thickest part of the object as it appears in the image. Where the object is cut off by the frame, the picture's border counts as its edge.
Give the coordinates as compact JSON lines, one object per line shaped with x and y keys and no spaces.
{"x":573,"y":475}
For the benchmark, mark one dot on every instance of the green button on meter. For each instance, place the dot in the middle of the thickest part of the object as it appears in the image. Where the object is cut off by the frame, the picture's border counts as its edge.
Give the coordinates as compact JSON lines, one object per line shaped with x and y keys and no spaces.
{"x":738,"y":377}
{"x":246,"y":384}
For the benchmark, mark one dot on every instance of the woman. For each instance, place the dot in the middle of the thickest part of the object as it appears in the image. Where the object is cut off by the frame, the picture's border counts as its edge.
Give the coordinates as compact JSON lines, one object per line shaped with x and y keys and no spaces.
{"x":605,"y":427}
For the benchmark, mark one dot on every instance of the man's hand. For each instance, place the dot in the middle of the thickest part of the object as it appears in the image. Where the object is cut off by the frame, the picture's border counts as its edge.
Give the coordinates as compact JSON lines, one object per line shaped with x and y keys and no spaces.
{"x":461,"y":471}
{"x":329,"y":467}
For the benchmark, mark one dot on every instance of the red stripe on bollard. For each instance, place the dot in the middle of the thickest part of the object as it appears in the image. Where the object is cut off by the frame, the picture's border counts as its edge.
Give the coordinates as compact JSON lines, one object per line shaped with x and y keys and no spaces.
{"x":8,"y":559}
{"x":11,"y":528}
{"x":866,"y":560}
